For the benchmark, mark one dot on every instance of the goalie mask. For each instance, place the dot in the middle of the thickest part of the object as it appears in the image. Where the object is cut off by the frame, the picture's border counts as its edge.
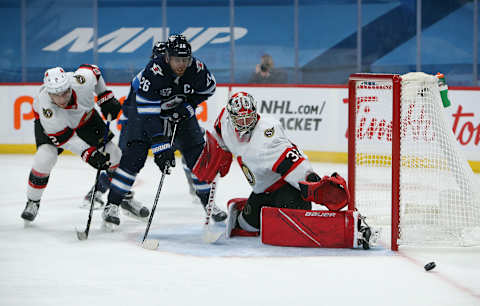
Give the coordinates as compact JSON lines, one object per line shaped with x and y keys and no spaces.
{"x":242,"y":112}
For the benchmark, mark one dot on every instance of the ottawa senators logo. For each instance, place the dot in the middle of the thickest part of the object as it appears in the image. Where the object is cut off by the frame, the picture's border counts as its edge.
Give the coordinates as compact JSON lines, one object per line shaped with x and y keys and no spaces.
{"x":269,"y":132}
{"x":80,"y":79}
{"x":248,"y":175}
{"x":48,"y":113}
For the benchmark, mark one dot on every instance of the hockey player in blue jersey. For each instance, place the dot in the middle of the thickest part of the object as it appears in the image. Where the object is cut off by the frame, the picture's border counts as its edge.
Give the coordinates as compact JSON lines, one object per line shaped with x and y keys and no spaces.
{"x":130,"y":205}
{"x":167,"y":92}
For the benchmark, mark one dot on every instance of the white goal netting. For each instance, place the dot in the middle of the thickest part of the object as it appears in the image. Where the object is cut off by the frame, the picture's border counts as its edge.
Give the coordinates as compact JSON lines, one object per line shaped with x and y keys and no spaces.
{"x":439,"y":197}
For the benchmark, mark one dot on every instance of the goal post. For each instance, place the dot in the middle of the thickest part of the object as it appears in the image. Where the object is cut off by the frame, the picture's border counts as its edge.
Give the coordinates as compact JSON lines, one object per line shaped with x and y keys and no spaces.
{"x":405,"y":170}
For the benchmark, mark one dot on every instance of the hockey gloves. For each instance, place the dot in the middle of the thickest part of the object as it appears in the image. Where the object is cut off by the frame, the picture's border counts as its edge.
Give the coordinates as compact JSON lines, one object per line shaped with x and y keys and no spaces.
{"x":97,"y":159}
{"x":163,"y":153}
{"x":108,"y":104}
{"x":182,"y":112}
{"x":330,"y":191}
{"x":212,"y":160}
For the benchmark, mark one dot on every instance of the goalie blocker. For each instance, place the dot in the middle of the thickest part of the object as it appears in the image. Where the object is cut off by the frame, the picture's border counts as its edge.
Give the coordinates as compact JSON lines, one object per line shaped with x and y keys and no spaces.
{"x":212,"y":160}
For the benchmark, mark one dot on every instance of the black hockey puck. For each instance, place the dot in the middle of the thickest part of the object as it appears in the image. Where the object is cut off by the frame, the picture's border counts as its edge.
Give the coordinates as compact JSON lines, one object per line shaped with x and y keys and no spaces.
{"x":429,"y":266}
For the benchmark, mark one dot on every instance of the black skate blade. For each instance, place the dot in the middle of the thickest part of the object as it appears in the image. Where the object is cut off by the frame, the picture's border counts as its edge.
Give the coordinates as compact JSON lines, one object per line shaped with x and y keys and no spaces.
{"x":128,"y":213}
{"x":81,"y":235}
{"x":96,"y":206}
{"x":150,"y":244}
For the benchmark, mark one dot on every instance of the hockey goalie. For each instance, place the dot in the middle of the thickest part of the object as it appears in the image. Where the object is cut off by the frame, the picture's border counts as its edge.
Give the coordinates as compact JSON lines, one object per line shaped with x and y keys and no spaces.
{"x":283,"y":183}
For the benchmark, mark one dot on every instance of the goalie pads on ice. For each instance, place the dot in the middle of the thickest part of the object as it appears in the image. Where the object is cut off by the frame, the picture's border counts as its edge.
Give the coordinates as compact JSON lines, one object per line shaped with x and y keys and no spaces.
{"x":212,"y":160}
{"x":330,"y":191}
{"x":309,"y":228}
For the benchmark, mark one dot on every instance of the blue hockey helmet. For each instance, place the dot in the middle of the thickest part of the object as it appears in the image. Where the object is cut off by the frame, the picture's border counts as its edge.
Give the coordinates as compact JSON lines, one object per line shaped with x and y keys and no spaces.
{"x":158,"y":49}
{"x":177,"y":45}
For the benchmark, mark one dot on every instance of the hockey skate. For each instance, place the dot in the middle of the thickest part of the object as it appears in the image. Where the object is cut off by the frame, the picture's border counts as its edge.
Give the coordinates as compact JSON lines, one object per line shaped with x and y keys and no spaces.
{"x":133,"y":208}
{"x":111,"y":217}
{"x":218,"y":215}
{"x":30,"y":212}
{"x":367,"y":236}
{"x":97,"y":200}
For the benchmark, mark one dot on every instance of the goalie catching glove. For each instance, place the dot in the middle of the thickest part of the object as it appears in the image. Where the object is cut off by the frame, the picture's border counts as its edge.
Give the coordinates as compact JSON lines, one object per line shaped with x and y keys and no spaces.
{"x":212,"y":160}
{"x":330,"y":191}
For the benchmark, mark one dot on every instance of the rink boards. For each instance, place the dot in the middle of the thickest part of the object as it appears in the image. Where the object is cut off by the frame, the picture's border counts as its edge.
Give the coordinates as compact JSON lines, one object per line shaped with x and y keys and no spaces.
{"x":315,"y":116}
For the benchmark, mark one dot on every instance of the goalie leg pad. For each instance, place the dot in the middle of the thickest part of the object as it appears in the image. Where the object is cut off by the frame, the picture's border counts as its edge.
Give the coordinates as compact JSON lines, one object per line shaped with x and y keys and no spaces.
{"x":235,"y":207}
{"x":309,"y":228}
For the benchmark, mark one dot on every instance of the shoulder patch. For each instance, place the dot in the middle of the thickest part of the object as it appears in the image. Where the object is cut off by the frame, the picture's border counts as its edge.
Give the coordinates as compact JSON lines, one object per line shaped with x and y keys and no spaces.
{"x":156,"y":69}
{"x":48,"y":113}
{"x":94,"y":68}
{"x":269,"y":132}
{"x":80,"y":79}
{"x":199,"y":65}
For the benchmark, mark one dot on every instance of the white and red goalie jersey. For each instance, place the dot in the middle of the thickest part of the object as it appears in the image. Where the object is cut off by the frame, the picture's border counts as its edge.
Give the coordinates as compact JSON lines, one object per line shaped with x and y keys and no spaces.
{"x":60,"y":123}
{"x":268,"y":159}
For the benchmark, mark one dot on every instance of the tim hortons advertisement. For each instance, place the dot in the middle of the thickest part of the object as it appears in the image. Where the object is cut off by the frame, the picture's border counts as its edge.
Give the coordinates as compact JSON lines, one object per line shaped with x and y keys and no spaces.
{"x":315,"y":118}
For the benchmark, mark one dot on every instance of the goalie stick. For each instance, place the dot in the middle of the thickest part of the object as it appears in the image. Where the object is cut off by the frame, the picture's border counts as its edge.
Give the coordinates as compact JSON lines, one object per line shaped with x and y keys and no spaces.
{"x":83,"y":235}
{"x":152,"y":244}
{"x":210,"y":236}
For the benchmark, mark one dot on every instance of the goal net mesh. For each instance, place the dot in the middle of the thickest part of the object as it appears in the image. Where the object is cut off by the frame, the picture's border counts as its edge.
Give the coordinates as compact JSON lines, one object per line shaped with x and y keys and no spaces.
{"x":439,"y":197}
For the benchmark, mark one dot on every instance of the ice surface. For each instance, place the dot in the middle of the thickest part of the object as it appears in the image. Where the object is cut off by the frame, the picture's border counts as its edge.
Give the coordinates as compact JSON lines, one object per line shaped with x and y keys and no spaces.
{"x":45,"y":264}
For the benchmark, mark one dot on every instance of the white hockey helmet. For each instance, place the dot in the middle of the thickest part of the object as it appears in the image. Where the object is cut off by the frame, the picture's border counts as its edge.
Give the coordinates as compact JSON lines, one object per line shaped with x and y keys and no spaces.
{"x":242,"y":111}
{"x":56,"y":80}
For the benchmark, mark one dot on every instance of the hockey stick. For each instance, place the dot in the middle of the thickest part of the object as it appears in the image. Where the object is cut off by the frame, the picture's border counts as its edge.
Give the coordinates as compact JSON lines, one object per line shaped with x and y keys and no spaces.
{"x":83,"y":235}
{"x":210,"y":236}
{"x":152,"y":244}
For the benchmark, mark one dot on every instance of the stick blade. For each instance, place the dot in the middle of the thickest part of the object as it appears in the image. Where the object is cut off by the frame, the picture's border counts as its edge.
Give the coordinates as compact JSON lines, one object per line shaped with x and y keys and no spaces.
{"x":81,"y":235}
{"x":150,"y":244}
{"x":210,"y":236}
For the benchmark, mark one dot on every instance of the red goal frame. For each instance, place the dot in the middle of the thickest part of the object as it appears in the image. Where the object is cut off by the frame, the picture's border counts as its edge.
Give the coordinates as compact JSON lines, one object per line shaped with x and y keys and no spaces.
{"x":352,"y":108}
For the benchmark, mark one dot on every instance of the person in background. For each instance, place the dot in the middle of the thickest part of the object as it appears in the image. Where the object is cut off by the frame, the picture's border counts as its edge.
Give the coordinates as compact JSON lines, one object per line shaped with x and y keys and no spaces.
{"x":266,"y":73}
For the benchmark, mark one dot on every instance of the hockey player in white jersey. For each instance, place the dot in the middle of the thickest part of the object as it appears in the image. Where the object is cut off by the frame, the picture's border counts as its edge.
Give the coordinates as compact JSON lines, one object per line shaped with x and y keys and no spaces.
{"x":279,"y":173}
{"x":272,"y":165}
{"x":65,"y":118}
